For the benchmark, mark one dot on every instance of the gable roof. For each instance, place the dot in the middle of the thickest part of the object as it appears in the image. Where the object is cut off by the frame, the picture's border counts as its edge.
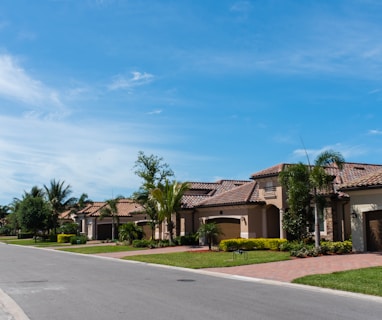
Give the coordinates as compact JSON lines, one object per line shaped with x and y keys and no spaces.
{"x":201,"y":191}
{"x":125,"y":207}
{"x":371,"y":180}
{"x":247,"y":193}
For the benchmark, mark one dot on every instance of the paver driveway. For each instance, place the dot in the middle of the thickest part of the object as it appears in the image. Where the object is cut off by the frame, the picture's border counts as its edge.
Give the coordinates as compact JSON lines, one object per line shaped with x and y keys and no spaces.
{"x":284,"y":271}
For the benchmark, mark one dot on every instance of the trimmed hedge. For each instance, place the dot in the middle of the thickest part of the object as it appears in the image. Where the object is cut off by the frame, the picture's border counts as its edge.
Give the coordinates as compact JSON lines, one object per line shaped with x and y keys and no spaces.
{"x":78,"y":240}
{"x":251,"y":244}
{"x":64,"y":238}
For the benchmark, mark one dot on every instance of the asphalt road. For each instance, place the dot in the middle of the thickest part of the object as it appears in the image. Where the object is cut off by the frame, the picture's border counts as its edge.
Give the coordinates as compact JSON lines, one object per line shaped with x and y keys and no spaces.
{"x":52,"y":285}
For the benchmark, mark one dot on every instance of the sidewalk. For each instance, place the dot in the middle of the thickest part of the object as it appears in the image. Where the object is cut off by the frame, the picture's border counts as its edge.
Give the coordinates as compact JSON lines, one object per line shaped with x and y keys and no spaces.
{"x":284,"y":271}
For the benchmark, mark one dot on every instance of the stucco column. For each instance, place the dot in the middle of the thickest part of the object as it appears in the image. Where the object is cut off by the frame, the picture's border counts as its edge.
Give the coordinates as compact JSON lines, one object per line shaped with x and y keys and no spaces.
{"x":264,"y":222}
{"x":282,"y":231}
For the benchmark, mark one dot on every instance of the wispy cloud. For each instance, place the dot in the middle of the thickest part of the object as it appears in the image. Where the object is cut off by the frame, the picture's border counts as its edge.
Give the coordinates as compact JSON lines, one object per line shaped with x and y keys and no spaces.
{"x":137,"y":79}
{"x":92,"y":157}
{"x":241,"y":6}
{"x":17,"y":85}
{"x":155,"y":112}
{"x":375,"y":132}
{"x":347,"y":151}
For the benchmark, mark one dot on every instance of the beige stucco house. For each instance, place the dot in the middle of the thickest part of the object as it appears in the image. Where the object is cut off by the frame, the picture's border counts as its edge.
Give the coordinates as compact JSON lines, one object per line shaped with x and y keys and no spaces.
{"x":255,"y":208}
{"x":365,"y":194}
{"x":94,"y":227}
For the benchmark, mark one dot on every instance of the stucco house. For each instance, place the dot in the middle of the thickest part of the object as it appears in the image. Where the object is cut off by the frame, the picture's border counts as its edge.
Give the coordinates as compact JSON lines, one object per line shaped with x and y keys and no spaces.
{"x":365,"y":194}
{"x":254,"y":208}
{"x":94,"y":227}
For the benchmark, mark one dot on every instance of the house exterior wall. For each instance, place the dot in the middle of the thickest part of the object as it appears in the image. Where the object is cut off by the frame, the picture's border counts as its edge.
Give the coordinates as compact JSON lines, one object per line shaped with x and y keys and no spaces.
{"x":362,"y":201}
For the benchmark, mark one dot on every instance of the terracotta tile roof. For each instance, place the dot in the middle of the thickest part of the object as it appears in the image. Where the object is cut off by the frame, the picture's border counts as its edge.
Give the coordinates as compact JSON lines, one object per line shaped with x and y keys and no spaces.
{"x":272,"y":171}
{"x":373,"y":179}
{"x":65,"y":215}
{"x":126,"y":207}
{"x":200,"y":191}
{"x":244,"y":194}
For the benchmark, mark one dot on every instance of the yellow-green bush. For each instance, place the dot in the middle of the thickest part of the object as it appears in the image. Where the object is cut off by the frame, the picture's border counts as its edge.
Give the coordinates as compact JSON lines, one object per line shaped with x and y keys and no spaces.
{"x":64,"y":238}
{"x":251,"y":244}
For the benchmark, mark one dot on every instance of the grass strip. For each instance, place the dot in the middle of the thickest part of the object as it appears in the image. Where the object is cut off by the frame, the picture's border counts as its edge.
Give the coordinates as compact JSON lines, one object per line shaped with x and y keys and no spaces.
{"x":100,"y":249}
{"x":366,"y":281}
{"x":198,"y":260}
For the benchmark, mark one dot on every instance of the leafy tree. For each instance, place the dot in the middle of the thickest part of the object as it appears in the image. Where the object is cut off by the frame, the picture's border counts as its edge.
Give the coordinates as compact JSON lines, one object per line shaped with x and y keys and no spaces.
{"x":129,"y":232}
{"x":295,"y":178}
{"x":210,"y":231}
{"x":4,"y":211}
{"x":153,"y":172}
{"x":57,"y":195}
{"x":321,"y":183}
{"x":168,"y":201}
{"x":305,"y":184}
{"x":33,"y":213}
{"x":111,"y":210}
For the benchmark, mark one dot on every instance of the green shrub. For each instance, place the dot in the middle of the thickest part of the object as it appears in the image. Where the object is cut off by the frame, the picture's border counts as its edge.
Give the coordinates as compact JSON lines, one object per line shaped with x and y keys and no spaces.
{"x":330,"y":247}
{"x":251,"y":244}
{"x":187,"y":240}
{"x":64,"y":238}
{"x":78,"y":240}
{"x":68,"y":228}
{"x":141,"y":243}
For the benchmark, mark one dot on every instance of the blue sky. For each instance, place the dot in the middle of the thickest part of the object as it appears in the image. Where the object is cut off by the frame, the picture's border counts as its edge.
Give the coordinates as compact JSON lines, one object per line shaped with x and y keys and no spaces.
{"x":219,"y":89}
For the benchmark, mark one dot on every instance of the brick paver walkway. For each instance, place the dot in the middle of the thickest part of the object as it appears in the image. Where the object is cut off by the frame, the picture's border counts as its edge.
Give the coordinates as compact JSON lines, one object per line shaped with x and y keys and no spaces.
{"x":284,"y":271}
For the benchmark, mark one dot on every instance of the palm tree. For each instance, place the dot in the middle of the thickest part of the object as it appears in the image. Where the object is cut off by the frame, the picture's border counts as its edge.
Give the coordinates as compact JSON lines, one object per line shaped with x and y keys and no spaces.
{"x":321,"y":182}
{"x":295,"y":179}
{"x":129,"y":232}
{"x":111,"y":210}
{"x":210,"y":231}
{"x":168,"y":200}
{"x":57,"y":195}
{"x":306,"y":183}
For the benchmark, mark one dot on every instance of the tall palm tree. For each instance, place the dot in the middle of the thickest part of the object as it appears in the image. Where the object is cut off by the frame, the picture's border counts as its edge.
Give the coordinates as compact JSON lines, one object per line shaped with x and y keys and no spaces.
{"x":111,"y":210}
{"x":321,"y":182}
{"x":168,"y":201}
{"x":57,"y":195}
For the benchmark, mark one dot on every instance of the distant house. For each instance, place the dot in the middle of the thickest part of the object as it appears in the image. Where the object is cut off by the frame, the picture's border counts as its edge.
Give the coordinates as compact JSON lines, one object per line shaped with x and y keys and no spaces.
{"x":365,"y":195}
{"x":97,"y":228}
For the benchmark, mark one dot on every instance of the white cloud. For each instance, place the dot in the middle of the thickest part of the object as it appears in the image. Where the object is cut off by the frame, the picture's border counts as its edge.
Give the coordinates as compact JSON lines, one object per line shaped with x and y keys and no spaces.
{"x":17,"y":85}
{"x":375,"y":132}
{"x":155,"y":112}
{"x":93,"y":157}
{"x":137,"y":79}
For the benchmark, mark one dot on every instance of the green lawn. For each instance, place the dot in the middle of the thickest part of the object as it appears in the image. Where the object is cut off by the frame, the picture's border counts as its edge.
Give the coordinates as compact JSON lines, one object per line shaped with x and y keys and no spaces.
{"x":31,"y":242}
{"x":367,"y":281}
{"x":100,"y":249}
{"x":197,"y":260}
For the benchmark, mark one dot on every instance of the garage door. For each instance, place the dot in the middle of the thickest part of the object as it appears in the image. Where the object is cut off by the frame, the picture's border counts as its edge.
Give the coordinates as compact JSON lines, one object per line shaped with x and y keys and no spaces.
{"x":229,"y":227}
{"x":104,"y":231}
{"x":374,"y":230}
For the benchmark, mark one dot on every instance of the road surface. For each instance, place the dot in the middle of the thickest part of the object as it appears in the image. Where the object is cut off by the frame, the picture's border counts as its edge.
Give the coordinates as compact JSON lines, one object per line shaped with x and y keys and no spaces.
{"x":47,"y":285}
